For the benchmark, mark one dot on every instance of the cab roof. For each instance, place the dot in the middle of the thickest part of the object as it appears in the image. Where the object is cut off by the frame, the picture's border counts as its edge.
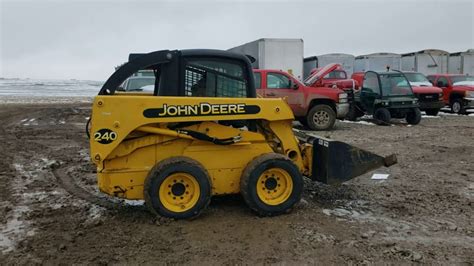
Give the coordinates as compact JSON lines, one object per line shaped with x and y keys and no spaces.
{"x":198,"y":53}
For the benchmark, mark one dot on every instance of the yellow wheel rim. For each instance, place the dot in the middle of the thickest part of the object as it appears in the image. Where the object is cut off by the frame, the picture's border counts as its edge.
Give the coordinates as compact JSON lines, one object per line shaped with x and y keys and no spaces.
{"x":274,"y":186}
{"x":179,"y":192}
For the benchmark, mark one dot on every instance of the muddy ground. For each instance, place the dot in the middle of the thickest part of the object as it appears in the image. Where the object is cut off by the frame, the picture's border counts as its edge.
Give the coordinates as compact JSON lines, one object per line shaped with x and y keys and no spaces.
{"x":422,"y":213}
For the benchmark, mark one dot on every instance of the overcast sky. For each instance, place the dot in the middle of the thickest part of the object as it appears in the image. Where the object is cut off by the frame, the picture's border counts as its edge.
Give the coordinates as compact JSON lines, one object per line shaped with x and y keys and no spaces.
{"x":87,"y":39}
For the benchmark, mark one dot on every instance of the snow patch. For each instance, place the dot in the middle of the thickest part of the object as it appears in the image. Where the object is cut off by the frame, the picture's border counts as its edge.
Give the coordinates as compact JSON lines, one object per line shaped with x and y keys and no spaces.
{"x":133,"y":202}
{"x":30,"y":122}
{"x":14,"y":227}
{"x":361,"y":122}
{"x":95,"y":212}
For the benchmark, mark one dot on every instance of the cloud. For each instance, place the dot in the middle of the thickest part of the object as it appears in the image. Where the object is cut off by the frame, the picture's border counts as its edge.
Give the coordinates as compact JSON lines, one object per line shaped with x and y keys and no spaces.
{"x":87,"y":39}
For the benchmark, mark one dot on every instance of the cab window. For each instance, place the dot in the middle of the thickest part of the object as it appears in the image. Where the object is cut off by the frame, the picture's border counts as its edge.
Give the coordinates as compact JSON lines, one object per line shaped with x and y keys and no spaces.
{"x":393,"y":85}
{"x":258,"y":80}
{"x":215,"y":78}
{"x":138,"y":83}
{"x":336,"y":74}
{"x":277,"y":81}
{"x":442,"y":82}
{"x":371,"y":83}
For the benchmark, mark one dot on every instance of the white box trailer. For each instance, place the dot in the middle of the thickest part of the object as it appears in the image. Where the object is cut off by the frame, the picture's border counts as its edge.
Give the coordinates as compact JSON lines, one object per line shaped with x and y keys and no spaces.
{"x":281,"y":54}
{"x":345,"y":60}
{"x":377,"y":62}
{"x":461,"y":63}
{"x":430,"y":61}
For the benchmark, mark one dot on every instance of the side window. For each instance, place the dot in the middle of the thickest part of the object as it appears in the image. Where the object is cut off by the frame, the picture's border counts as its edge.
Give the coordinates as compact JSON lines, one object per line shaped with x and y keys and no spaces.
{"x":215,"y":78}
{"x":371,"y":83}
{"x":442,"y":82}
{"x":277,"y":81}
{"x":140,"y":83}
{"x":336,"y":74}
{"x":258,"y":80}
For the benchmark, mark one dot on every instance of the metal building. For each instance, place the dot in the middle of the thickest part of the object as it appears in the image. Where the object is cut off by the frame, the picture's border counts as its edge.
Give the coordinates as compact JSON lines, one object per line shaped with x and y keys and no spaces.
{"x":377,"y":62}
{"x":461,"y":62}
{"x":345,"y":60}
{"x":429,"y":61}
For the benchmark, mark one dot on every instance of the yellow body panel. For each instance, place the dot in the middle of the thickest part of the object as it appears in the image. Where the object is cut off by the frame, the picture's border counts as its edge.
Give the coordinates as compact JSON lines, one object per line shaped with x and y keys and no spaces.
{"x":126,"y":145}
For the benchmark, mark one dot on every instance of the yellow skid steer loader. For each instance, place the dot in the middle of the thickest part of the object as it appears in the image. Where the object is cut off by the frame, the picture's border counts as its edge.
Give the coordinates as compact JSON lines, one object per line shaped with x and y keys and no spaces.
{"x":199,"y":130}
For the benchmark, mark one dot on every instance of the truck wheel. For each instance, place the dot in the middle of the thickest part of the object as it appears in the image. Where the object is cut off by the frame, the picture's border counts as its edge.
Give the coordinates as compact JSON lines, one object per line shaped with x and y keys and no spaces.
{"x":414,"y":116}
{"x":432,"y":112}
{"x":271,"y":184}
{"x":382,"y":116}
{"x":178,"y":188}
{"x":456,"y":106}
{"x":321,"y":117}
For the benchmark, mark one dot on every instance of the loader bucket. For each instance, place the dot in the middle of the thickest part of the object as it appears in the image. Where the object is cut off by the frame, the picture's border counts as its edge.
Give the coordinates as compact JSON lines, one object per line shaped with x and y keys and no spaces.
{"x":336,"y":162}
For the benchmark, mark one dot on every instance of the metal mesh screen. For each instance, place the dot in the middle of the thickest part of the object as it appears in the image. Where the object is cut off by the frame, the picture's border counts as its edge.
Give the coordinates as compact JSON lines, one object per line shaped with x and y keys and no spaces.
{"x":201,"y":81}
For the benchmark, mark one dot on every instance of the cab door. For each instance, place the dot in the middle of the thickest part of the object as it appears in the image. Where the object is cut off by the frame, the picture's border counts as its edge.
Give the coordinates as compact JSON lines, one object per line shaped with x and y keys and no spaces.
{"x":279,"y":85}
{"x":258,"y":83}
{"x":370,"y":91}
{"x":444,"y":84}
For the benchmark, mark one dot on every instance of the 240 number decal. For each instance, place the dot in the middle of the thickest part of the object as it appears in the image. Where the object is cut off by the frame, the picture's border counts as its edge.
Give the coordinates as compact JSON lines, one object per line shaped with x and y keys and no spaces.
{"x":105,"y":136}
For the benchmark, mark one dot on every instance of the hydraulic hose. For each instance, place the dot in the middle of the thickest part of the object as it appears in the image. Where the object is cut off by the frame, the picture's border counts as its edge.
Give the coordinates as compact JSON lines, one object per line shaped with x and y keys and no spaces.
{"x":87,"y":128}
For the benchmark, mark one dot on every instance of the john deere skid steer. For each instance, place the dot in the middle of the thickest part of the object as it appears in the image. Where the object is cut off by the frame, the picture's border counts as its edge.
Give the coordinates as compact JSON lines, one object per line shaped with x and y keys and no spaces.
{"x":201,"y":131}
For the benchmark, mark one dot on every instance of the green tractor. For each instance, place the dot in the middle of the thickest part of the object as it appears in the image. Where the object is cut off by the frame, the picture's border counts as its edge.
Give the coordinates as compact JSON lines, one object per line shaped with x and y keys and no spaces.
{"x":384,"y":95}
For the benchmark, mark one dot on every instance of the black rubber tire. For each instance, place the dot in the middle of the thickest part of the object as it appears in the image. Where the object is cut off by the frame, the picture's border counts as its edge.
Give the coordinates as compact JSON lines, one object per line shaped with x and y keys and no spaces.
{"x":461,"y":109}
{"x":382,"y":116}
{"x":163,"y":169}
{"x":250,"y":175}
{"x":414,"y":116}
{"x":432,"y":112}
{"x":324,"y":110}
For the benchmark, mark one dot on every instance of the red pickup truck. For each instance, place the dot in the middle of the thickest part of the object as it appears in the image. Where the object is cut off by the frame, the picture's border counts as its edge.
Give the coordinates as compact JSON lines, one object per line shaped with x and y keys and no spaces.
{"x":430,"y":98}
{"x":315,"y":107}
{"x":458,"y":90}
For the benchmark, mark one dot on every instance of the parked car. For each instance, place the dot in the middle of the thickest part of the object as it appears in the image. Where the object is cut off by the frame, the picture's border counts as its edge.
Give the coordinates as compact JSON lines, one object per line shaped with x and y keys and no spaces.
{"x":384,"y":95}
{"x":430,"y":98}
{"x":458,"y":90}
{"x":138,"y":83}
{"x":315,"y":107}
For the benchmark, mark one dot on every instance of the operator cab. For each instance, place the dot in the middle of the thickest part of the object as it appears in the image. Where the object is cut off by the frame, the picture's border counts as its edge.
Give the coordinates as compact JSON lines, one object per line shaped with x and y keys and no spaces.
{"x":387,"y":84}
{"x":191,"y":73}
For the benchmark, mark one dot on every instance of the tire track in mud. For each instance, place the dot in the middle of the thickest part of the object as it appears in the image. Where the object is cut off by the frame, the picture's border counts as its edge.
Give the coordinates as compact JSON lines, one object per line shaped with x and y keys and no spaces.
{"x":64,"y":179}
